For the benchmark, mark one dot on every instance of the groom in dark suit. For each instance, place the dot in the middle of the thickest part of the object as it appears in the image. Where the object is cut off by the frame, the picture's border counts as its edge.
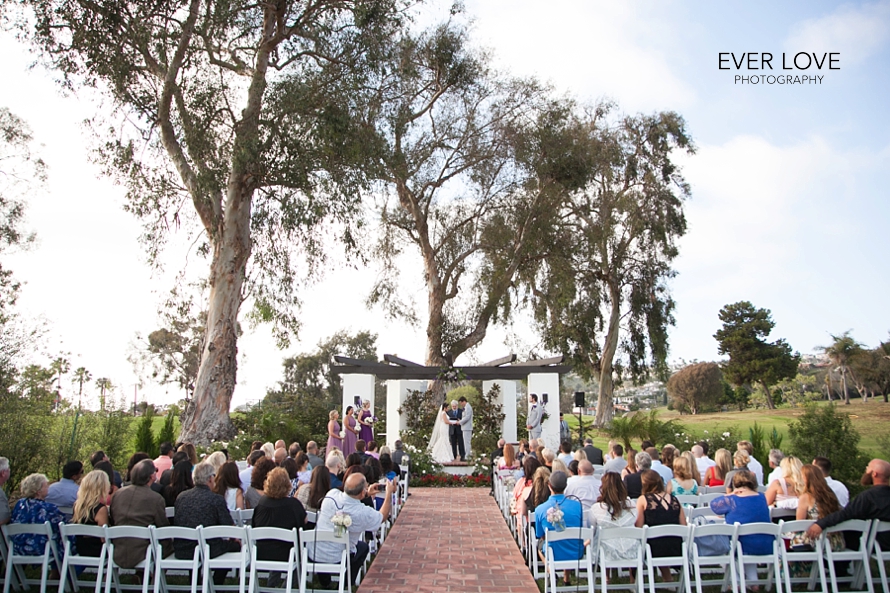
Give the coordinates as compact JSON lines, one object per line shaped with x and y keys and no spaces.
{"x":455,"y":431}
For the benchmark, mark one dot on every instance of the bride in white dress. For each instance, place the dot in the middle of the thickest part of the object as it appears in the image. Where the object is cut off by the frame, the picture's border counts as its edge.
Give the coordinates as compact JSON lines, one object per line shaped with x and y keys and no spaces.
{"x":440,"y":443}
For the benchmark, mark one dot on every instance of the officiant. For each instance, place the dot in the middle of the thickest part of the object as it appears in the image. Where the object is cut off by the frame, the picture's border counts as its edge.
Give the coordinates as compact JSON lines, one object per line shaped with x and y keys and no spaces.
{"x":455,"y":431}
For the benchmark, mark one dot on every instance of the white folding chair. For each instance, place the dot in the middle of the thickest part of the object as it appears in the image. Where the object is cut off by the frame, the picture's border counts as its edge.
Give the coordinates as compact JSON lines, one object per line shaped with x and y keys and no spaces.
{"x":693,"y":514}
{"x":404,"y":478}
{"x":238,"y":561}
{"x":72,"y":561}
{"x":636,"y":562}
{"x":877,"y":552}
{"x":705,"y":499}
{"x":688,"y":499}
{"x":791,"y":555}
{"x":771,"y":559}
{"x":777,"y":514}
{"x":170,"y":512}
{"x":258,"y":535}
{"x":308,"y":566}
{"x":162,"y":565}
{"x":246,"y":516}
{"x":721,"y":561}
{"x":112,"y":534}
{"x":3,"y":554}
{"x":684,"y":532}
{"x":859,"y":558}
{"x":535,"y":562}
{"x":236,"y":518}
{"x":583,"y":565}
{"x":14,"y":562}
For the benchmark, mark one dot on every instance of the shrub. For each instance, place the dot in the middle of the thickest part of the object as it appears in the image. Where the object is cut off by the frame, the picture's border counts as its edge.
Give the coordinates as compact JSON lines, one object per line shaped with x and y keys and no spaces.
{"x":145,"y":440}
{"x":419,"y":410}
{"x":823,"y":431}
{"x":488,"y":420}
{"x":757,"y":436}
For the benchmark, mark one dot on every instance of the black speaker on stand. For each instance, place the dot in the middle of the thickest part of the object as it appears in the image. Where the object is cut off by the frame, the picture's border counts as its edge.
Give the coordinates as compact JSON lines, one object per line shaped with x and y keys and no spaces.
{"x":579,"y":405}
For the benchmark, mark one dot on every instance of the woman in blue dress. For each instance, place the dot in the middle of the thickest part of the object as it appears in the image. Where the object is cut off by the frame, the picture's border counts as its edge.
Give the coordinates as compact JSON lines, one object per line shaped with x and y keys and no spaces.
{"x":32,"y":508}
{"x":746,"y":505}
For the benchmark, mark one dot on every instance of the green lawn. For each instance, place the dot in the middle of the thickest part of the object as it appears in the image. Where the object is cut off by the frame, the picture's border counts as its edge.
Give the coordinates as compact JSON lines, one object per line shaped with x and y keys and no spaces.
{"x":871,"y":419}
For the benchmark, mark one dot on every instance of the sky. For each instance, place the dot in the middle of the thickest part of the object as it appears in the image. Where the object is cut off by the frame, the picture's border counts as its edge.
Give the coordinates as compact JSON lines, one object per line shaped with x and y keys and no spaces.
{"x":789,"y":205}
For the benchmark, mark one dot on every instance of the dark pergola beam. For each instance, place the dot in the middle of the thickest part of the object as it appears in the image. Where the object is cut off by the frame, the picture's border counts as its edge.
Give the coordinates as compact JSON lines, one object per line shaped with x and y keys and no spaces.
{"x":500,"y":361}
{"x":541,"y":362}
{"x":400,"y":361}
{"x":358,"y":362}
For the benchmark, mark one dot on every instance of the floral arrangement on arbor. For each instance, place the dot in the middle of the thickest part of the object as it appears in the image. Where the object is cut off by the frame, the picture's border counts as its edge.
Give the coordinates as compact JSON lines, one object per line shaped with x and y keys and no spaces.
{"x":451,"y":375}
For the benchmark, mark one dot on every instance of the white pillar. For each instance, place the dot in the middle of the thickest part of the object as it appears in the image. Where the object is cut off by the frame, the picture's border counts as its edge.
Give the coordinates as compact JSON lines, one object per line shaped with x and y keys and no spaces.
{"x":541,"y":383}
{"x":508,"y":401}
{"x":396,"y":392}
{"x":357,"y":385}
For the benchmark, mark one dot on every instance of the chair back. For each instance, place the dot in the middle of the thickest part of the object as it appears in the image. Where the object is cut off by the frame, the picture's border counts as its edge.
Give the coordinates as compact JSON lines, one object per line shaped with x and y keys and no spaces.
{"x":688,"y":499}
{"x":692,"y":514}
{"x":170,"y":512}
{"x":246,"y":516}
{"x":776,"y":514}
{"x":705,"y":499}
{"x":236,"y":517}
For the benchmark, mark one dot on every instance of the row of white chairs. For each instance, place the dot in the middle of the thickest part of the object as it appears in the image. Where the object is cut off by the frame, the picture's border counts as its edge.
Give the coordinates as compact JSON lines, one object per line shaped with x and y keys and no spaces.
{"x":729,"y":567}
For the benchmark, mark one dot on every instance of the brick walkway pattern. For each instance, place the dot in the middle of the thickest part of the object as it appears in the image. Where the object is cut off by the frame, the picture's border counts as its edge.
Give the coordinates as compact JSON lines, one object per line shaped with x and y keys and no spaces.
{"x":449,"y":539}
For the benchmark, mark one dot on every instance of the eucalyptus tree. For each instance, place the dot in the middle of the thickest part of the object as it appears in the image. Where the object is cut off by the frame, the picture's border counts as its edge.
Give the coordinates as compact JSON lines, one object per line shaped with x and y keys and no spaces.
{"x":222,"y":125}
{"x":840,"y":352}
{"x":751,"y":358}
{"x":453,"y":191}
{"x":601,"y":295}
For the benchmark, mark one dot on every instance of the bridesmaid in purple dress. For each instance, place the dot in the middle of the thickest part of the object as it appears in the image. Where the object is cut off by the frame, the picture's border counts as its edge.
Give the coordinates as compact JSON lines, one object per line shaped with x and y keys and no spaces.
{"x":365,"y":431}
{"x":334,"y":438}
{"x":351,"y":427}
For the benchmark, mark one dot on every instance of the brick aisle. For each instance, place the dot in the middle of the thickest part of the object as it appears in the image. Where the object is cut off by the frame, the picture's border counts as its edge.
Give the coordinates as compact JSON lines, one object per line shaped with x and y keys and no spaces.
{"x":449,"y":539}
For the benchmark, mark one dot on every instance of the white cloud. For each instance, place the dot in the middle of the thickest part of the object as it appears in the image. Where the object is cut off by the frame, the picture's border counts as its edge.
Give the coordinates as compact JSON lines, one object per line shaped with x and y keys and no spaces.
{"x":856,"y":32}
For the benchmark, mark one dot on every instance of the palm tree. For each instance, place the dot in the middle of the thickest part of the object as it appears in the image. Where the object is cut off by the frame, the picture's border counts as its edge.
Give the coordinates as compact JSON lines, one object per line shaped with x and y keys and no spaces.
{"x":104,"y":385}
{"x":839,"y":353}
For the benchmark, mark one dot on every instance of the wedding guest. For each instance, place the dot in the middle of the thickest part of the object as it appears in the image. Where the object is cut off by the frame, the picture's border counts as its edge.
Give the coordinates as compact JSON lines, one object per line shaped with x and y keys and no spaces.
{"x":546,"y":457}
{"x":137,"y":505}
{"x":585,"y":487}
{"x":334,"y":465}
{"x":783,"y":493}
{"x":179,"y":483}
{"x":523,"y":489}
{"x":257,"y":479}
{"x":564,"y":433}
{"x":312,"y":453}
{"x":657,"y":466}
{"x":334,"y":438}
{"x":775,"y":460}
{"x":353,"y":459}
{"x":630,"y":457}
{"x":702,"y":461}
{"x":617,"y":462}
{"x":100,"y":456}
{"x":64,"y":492}
{"x":350,"y":426}
{"x":280,"y":444}
{"x":228,"y":485}
{"x":565,"y":452}
{"x":668,"y":453}
{"x":189,"y":449}
{"x":573,"y":467}
{"x":90,"y":509}
{"x":614,"y":509}
{"x":372,"y":450}
{"x":268,"y":450}
{"x":387,"y":465}
{"x":32,"y":508}
{"x":716,"y":474}
{"x":131,"y":463}
{"x":279,"y":456}
{"x":540,"y":488}
{"x":216,"y":459}
{"x":634,"y":482}
{"x":398,"y":454}
{"x":690,"y":459}
{"x":817,"y":501}
{"x":753,"y":465}
{"x":290,"y":466}
{"x":572,"y":516}
{"x":4,"y":501}
{"x":657,"y":507}
{"x":839,"y":489}
{"x":683,"y":481}
{"x":304,"y":474}
{"x":746,"y":505}
{"x":508,"y":461}
{"x":594,"y":453}
{"x":165,"y":459}
{"x":276,"y":509}
{"x":311,"y":494}
{"x":739,"y":462}
{"x":523,"y":450}
{"x":245,"y":474}
{"x":104,"y":466}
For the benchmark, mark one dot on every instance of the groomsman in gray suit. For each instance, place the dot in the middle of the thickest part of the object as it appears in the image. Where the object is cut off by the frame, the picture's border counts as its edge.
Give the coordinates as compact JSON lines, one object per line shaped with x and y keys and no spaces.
{"x":466,"y":424}
{"x":533,"y":424}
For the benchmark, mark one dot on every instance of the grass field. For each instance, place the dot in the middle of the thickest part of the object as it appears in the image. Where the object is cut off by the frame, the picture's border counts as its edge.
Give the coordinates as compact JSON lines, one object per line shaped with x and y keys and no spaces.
{"x":871,"y":419}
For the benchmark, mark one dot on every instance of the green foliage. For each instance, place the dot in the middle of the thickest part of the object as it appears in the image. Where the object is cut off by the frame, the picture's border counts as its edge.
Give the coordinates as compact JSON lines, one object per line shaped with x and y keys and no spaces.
{"x":799,"y":390}
{"x":168,"y":431}
{"x":419,"y":410}
{"x":488,"y":420}
{"x":775,"y":439}
{"x":751,"y":358}
{"x":695,"y":386}
{"x":757,"y":437}
{"x":144,"y":440}
{"x":644,"y":427}
{"x":421,"y":461}
{"x":823,"y":431}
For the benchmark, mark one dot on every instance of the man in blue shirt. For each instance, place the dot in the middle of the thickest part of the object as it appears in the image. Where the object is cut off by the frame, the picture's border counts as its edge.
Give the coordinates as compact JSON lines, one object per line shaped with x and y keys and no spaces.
{"x":572,"y":516}
{"x":64,"y":492}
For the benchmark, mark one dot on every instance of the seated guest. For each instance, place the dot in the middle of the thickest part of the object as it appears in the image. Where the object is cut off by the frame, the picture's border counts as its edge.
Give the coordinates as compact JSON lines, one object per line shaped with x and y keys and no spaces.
{"x":312,"y":452}
{"x":585,"y":487}
{"x":245,"y":474}
{"x":559,"y":466}
{"x":304,"y":474}
{"x":99,"y":457}
{"x":657,"y":466}
{"x":775,"y":460}
{"x":572,"y":516}
{"x":817,"y":501}
{"x":32,"y":508}
{"x":290,"y":466}
{"x":354,"y":459}
{"x":684,"y":481}
{"x":189,"y":449}
{"x":690,"y":459}
{"x":104,"y":466}
{"x":614,"y":509}
{"x":64,"y":492}
{"x":277,"y":509}
{"x":872,"y":503}
{"x":617,"y":463}
{"x":754,"y":466}
{"x":839,"y":489}
{"x":311,"y":494}
{"x":134,"y":459}
{"x":521,"y":491}
{"x":4,"y":501}
{"x":540,"y":488}
{"x":228,"y":485}
{"x":90,"y":509}
{"x":279,"y":456}
{"x":179,"y":483}
{"x":398,"y":454}
{"x":372,"y":450}
{"x":202,"y":506}
{"x":546,"y":457}
{"x":257,"y":480}
{"x":783,"y":493}
{"x":594,"y":453}
{"x":363,"y":519}
{"x":508,"y":461}
{"x":630,"y":457}
{"x":702,"y":461}
{"x":634,"y":482}
{"x":565,"y":452}
{"x":334,"y":464}
{"x":746,"y":505}
{"x":573,"y":467}
{"x":668,"y":454}
{"x":739,"y":462}
{"x":360,"y":448}
{"x":165,"y":459}
{"x":387,"y":465}
{"x":137,"y":505}
{"x":657,"y":507}
{"x":167,"y":477}
{"x":216,"y":459}
{"x":523,"y":451}
{"x":716,"y":474}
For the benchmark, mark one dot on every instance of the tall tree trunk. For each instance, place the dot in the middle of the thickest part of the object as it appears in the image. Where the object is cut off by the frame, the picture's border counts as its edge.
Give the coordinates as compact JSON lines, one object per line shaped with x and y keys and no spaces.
{"x":844,"y":384}
{"x":769,"y":397}
{"x":207,"y":417}
{"x":604,"y":410}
